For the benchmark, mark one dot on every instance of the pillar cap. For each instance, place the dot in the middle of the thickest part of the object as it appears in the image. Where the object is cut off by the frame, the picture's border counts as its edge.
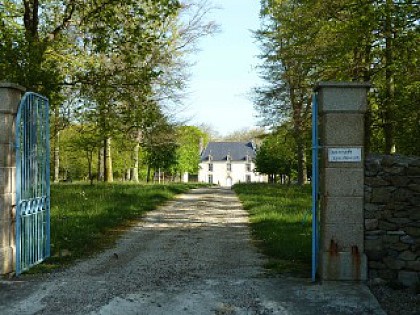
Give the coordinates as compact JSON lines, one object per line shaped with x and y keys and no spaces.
{"x":342,"y":97}
{"x":336,"y":84}
{"x":9,"y":85}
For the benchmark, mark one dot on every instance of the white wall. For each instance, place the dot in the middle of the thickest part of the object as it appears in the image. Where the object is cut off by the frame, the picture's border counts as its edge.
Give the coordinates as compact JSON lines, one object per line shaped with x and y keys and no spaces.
{"x":221,"y":176}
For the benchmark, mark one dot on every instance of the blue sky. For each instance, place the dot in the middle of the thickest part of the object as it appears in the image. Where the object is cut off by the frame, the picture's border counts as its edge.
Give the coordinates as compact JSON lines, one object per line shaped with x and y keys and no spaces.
{"x":224,"y":73}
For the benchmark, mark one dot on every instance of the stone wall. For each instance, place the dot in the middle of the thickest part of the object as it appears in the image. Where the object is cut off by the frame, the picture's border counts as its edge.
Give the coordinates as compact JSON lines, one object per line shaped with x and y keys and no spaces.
{"x":392,"y":218}
{"x":10,"y":95}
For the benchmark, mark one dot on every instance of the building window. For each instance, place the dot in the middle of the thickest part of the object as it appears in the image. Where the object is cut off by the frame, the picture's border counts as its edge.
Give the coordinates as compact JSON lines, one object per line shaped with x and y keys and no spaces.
{"x":229,"y":167}
{"x":248,"y":167}
{"x":248,"y":178}
{"x":210,"y":179}
{"x":210,"y":167}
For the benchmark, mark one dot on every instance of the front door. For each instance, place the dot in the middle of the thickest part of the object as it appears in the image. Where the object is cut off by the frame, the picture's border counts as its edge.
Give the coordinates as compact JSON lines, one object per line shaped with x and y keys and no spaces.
{"x":229,"y":181}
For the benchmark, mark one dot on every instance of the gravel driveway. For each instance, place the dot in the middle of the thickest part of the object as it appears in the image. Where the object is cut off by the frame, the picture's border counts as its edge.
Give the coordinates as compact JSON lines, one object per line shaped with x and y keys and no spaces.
{"x":191,"y":256}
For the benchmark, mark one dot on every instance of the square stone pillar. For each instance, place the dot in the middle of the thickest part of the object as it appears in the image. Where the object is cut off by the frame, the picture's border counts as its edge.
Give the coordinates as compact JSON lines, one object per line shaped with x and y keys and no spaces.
{"x":342,"y":107}
{"x":10,"y":95}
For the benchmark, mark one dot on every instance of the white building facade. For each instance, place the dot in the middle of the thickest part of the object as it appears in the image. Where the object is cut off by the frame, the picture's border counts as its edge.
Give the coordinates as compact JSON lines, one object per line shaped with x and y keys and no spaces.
{"x":228,"y":163}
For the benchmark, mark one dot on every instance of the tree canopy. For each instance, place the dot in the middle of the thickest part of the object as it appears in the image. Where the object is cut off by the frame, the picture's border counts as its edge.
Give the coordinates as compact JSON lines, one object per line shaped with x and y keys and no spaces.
{"x":276,"y":155}
{"x":189,"y":139}
{"x":303,"y":42}
{"x":111,"y":67}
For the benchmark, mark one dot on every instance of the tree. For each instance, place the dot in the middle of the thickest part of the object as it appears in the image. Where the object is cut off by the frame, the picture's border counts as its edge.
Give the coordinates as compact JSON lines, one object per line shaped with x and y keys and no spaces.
{"x":212,"y":134}
{"x":118,"y":57}
{"x":88,"y":142}
{"x":76,"y":153}
{"x":246,"y":134}
{"x":309,"y":41}
{"x":276,"y":156}
{"x":287,"y":93}
{"x":188,"y":139}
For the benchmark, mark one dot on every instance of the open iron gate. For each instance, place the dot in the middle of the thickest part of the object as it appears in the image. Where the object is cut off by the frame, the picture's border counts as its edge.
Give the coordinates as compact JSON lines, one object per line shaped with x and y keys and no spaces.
{"x":32,"y":182}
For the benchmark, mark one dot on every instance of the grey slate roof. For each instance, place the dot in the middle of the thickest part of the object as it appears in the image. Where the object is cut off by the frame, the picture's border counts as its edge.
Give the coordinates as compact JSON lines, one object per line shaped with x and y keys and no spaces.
{"x":220,"y":150}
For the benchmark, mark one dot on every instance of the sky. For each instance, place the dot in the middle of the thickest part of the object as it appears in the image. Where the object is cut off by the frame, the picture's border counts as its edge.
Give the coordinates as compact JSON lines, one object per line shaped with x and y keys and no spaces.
{"x":224,"y":73}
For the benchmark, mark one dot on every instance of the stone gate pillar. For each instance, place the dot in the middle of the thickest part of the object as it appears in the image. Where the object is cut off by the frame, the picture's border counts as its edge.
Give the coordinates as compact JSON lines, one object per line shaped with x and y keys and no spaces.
{"x":10,"y":95}
{"x":342,"y":107}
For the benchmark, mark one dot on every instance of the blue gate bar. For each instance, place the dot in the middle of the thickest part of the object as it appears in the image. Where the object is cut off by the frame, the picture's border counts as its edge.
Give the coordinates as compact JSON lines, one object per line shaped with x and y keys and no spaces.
{"x":32,"y":182}
{"x":314,"y":182}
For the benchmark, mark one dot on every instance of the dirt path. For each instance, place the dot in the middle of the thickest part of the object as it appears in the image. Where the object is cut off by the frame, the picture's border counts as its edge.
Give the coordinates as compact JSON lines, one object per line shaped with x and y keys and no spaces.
{"x":192,"y":256}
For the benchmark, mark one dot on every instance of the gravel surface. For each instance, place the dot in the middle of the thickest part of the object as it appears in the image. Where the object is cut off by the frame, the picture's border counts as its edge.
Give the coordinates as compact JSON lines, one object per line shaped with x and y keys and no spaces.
{"x":396,"y":301}
{"x":191,"y":256}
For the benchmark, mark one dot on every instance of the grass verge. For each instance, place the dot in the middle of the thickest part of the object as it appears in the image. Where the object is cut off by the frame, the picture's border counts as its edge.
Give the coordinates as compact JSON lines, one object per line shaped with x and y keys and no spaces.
{"x":86,"y":219}
{"x":281,"y":224}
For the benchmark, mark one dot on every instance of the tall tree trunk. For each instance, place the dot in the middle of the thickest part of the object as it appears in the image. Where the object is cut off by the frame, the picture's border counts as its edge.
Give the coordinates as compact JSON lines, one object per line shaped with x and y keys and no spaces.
{"x":100,"y":164}
{"x":135,"y":169}
{"x":56,"y":157}
{"x":301,"y":159}
{"x":56,"y":144}
{"x":368,"y":114}
{"x":31,"y":19}
{"x":89,"y":156}
{"x":298,"y":132}
{"x":136,"y":150}
{"x":104,"y":157}
{"x":388,"y":116}
{"x":148,"y":173}
{"x":108,"y":175}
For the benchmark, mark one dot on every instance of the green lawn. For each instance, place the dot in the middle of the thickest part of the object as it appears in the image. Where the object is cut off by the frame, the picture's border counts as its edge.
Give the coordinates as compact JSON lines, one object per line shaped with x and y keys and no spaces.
{"x":86,"y":219}
{"x":281,"y":224}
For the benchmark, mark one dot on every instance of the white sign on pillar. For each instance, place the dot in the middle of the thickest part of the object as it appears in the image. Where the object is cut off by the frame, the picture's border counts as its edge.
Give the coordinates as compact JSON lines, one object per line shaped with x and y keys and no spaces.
{"x":345,"y":155}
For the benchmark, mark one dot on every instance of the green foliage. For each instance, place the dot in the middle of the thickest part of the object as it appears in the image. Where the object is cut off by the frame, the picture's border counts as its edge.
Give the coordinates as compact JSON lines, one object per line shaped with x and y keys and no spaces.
{"x":276,"y":155}
{"x":160,"y":144}
{"x":108,"y":65}
{"x":74,"y":163}
{"x":24,"y":47}
{"x":173,"y":149}
{"x":79,"y":147}
{"x":304,"y":42}
{"x":162,"y":155}
{"x":408,"y":116}
{"x":281,"y":223}
{"x":188,"y":140}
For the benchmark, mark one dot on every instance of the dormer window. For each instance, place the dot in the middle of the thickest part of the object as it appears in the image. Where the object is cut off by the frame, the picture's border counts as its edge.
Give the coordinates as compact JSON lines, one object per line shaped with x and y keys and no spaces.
{"x":248,"y":158}
{"x":228,"y":162}
{"x":210,"y":158}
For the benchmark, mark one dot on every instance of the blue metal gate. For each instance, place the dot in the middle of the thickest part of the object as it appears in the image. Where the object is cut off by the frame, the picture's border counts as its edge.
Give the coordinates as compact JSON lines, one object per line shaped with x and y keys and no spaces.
{"x":315,"y":188}
{"x":32,"y":182}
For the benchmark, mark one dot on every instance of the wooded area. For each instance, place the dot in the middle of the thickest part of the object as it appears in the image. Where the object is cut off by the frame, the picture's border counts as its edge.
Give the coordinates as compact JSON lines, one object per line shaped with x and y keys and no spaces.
{"x":115,"y":74}
{"x":304,"y":42}
{"x":112,"y":70}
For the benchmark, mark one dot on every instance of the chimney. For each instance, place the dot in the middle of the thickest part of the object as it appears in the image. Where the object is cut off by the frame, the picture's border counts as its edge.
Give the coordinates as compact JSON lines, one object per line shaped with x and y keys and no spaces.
{"x":201,"y":146}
